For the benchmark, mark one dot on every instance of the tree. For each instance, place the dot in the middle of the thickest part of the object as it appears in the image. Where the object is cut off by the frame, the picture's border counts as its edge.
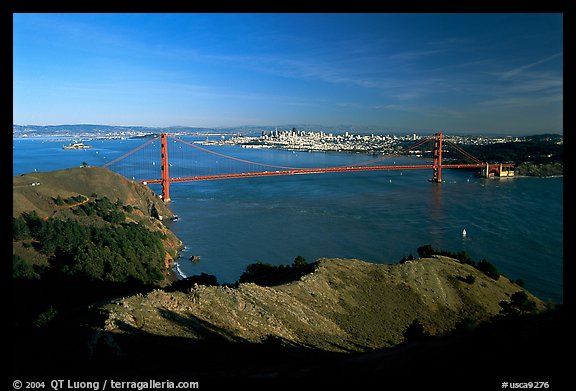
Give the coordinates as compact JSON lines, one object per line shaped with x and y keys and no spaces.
{"x":415,"y":332}
{"x":299,"y":261}
{"x":487,"y":268}
{"x":20,"y":229}
{"x":519,"y":303}
{"x":59,"y":200}
{"x":464,"y":257}
{"x":21,"y":269}
{"x":45,"y":317}
{"x":34,"y":222}
{"x":89,"y":261}
{"x":256,"y":270}
{"x":114,"y":217}
{"x":426,"y":251}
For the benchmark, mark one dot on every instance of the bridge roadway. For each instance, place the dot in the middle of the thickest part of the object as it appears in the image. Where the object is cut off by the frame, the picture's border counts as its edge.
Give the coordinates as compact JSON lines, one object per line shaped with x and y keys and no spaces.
{"x":300,"y":171}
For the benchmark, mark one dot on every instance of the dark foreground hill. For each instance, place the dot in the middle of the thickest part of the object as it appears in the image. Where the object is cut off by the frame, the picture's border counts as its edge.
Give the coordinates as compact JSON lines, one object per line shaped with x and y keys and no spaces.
{"x":427,"y":322}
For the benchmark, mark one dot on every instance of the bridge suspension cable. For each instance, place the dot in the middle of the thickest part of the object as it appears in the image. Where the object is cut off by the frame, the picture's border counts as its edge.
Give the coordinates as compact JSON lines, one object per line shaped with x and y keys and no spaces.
{"x":232,"y":157}
{"x":463,"y":152}
{"x":131,"y":152}
{"x":202,"y":169}
{"x":365,"y":163}
{"x":389,"y":156}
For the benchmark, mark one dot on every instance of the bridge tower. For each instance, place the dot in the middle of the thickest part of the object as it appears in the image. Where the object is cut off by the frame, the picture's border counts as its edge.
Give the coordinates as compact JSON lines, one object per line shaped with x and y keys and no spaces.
{"x":164,"y":164}
{"x":437,"y":163}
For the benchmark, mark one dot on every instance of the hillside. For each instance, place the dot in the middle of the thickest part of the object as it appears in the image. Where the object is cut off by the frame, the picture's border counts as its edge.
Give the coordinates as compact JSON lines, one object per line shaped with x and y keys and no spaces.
{"x":40,"y":192}
{"x":80,"y":180}
{"x":82,"y":235}
{"x":343,"y":305}
{"x":344,"y":321}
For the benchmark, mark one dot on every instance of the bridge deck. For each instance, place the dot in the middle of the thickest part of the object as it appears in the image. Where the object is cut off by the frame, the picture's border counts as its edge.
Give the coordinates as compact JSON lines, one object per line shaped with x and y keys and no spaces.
{"x":302,"y":171}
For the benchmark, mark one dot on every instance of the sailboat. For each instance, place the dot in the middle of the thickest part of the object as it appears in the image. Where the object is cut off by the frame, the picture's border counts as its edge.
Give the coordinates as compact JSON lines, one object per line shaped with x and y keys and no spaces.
{"x":464,"y":233}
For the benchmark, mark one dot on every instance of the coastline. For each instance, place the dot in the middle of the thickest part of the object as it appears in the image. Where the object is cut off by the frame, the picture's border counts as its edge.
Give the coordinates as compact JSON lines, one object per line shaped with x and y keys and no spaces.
{"x":177,"y":272}
{"x":535,"y":176}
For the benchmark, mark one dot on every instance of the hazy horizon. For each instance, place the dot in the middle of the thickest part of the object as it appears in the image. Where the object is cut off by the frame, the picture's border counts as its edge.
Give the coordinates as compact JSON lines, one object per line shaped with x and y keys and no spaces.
{"x":342,"y":128}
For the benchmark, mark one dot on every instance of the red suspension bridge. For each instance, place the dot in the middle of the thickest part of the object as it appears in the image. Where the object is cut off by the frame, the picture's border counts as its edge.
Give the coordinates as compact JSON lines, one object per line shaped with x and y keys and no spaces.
{"x":191,"y":162}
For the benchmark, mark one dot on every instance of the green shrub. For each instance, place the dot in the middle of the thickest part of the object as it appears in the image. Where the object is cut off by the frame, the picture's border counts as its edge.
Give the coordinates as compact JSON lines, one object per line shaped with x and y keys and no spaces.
{"x":257,"y":270}
{"x":426,"y":251}
{"x":266,"y":274}
{"x":59,"y":200}
{"x":404,"y":259}
{"x":20,"y":229}
{"x":484,"y":266}
{"x":21,"y":269}
{"x":299,"y":261}
{"x":519,"y":303}
{"x":415,"y":332}
{"x":45,"y":317}
{"x":117,"y":253}
{"x":487,"y":268}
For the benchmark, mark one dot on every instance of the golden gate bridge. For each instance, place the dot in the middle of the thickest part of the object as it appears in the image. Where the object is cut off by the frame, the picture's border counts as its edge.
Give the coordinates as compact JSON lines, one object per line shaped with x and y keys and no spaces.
{"x":191,"y":162}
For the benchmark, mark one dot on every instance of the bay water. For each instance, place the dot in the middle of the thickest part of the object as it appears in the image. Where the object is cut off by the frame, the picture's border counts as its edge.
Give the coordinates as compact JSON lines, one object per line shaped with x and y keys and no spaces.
{"x":514,"y":223}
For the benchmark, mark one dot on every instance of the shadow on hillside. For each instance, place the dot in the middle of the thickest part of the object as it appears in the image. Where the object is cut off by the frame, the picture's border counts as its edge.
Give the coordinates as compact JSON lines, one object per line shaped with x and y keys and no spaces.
{"x":72,"y":347}
{"x":521,"y":348}
{"x":32,"y":296}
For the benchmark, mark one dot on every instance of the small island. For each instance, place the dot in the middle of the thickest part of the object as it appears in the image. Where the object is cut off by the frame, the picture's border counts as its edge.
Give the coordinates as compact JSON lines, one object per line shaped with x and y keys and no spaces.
{"x":76,"y":146}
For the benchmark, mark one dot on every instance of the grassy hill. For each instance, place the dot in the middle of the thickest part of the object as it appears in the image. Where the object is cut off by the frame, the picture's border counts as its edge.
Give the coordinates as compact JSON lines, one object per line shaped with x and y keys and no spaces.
{"x":57,"y":194}
{"x":36,"y":191}
{"x":84,"y":234}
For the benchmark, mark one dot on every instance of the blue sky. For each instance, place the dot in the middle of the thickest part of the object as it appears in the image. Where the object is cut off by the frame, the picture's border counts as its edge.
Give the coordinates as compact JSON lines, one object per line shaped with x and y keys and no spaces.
{"x":461,"y":73}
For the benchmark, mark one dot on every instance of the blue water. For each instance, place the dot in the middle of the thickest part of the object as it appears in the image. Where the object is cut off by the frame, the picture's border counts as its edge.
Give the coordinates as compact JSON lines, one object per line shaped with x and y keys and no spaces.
{"x":515,"y":223}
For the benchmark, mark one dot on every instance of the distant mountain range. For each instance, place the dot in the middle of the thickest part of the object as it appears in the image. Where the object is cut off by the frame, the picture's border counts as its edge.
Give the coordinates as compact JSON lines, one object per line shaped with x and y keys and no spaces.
{"x":94,"y":130}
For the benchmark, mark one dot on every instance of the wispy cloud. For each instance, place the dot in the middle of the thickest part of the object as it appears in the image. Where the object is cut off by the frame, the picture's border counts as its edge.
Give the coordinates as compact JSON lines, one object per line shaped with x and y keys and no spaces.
{"x":425,"y":110}
{"x":523,"y":101}
{"x":415,"y":54}
{"x":525,"y":87}
{"x":432,"y":48}
{"x":517,"y":71}
{"x":452,"y":42}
